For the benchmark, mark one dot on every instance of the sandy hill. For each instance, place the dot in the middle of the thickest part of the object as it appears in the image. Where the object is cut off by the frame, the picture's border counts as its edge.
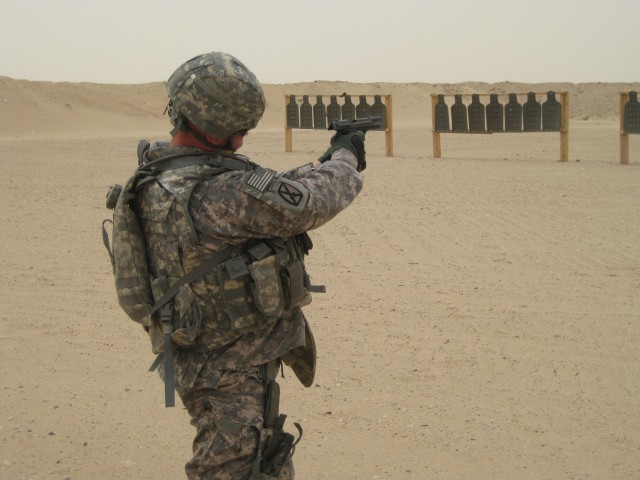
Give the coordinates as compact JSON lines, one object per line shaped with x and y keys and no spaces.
{"x":62,"y":108}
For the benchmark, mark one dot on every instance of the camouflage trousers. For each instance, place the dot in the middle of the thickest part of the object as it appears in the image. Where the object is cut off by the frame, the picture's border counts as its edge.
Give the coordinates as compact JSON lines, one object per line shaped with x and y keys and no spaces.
{"x":227,"y":408}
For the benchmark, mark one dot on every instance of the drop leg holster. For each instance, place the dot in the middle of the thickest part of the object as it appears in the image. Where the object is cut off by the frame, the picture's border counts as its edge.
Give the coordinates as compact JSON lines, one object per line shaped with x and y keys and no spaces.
{"x":276,"y":446}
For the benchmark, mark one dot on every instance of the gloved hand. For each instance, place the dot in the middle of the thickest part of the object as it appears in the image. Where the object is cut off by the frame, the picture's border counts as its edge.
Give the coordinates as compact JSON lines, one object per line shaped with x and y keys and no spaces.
{"x":352,"y":141}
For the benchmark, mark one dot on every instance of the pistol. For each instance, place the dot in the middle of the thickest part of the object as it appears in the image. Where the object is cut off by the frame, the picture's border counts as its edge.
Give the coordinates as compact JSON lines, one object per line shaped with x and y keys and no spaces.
{"x":363,"y":124}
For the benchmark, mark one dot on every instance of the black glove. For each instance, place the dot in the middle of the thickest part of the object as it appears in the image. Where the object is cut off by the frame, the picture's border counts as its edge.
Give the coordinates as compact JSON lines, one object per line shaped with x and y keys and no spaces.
{"x":352,"y":141}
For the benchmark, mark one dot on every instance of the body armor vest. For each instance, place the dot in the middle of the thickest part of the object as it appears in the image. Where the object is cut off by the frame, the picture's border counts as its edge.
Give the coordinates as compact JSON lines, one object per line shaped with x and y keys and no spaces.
{"x":255,"y":285}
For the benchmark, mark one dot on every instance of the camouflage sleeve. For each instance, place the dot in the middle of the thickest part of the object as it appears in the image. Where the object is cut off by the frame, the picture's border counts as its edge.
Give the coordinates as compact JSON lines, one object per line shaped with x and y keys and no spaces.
{"x":261,"y":204}
{"x":336,"y":183}
{"x":299,"y":172}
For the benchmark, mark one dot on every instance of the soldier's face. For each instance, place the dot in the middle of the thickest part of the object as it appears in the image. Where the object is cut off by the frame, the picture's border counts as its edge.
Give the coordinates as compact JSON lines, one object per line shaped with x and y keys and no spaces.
{"x":237,"y":139}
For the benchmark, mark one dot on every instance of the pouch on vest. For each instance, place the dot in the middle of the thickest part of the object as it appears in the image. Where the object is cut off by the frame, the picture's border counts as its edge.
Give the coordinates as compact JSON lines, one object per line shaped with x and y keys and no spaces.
{"x":189,"y":321}
{"x":294,"y":280}
{"x":266,"y":286}
{"x":237,"y":299}
{"x":251,"y":291}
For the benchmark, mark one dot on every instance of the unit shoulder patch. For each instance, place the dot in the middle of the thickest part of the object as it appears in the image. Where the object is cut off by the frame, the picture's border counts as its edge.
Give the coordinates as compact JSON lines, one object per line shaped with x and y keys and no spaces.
{"x":287,"y":193}
{"x":290,"y":194}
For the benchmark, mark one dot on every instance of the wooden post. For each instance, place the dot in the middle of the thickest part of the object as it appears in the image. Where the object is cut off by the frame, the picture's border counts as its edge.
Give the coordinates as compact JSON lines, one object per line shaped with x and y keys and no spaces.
{"x":624,"y":137}
{"x":288,"y":139}
{"x":437,"y":149}
{"x":388,"y":133}
{"x":288,"y":133}
{"x":564,"y":127}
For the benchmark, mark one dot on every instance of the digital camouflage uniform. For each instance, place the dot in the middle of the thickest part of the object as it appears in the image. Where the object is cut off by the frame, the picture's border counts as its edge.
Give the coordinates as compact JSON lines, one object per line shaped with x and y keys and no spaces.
{"x":223,"y":388}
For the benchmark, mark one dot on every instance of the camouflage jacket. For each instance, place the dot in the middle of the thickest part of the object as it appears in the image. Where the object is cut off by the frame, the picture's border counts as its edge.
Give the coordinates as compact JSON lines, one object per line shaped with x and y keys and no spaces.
{"x":237,"y":207}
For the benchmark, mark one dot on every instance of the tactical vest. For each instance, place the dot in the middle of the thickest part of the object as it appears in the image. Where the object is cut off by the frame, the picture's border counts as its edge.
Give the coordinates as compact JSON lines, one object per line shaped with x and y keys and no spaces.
{"x":177,"y":288}
{"x":258,"y":282}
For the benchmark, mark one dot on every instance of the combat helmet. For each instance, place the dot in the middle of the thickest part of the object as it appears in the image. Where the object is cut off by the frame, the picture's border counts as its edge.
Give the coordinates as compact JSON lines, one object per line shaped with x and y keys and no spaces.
{"x":217,"y":93}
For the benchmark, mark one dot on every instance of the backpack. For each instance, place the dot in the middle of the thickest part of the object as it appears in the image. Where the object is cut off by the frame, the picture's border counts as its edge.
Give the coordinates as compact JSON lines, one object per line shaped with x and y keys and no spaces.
{"x":127,"y":254}
{"x":127,"y":250}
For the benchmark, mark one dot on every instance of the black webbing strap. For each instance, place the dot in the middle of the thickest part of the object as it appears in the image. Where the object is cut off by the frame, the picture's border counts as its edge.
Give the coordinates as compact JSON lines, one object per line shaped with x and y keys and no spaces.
{"x":169,"y":384}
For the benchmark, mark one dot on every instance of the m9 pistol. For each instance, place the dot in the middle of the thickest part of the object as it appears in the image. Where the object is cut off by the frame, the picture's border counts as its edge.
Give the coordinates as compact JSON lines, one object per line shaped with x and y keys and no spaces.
{"x":363,"y":124}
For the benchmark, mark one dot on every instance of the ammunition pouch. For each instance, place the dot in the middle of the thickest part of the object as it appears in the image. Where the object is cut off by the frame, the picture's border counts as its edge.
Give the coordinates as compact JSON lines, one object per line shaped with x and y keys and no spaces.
{"x":295,"y":284}
{"x":259,"y":286}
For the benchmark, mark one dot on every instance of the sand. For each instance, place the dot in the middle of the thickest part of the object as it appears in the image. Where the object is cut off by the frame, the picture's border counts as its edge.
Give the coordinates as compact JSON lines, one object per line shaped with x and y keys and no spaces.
{"x":482,"y":316}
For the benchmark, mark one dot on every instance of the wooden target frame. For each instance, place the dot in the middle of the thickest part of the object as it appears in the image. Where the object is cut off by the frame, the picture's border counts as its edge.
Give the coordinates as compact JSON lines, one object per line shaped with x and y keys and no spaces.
{"x":564,"y":121}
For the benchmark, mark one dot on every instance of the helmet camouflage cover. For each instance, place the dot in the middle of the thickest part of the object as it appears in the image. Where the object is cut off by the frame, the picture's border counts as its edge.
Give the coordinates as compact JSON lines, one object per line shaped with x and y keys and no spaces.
{"x":217,"y":93}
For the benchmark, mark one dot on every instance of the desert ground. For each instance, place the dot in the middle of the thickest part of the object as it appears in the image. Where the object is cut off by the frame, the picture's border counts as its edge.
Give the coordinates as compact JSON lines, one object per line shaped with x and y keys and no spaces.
{"x":481,"y":321}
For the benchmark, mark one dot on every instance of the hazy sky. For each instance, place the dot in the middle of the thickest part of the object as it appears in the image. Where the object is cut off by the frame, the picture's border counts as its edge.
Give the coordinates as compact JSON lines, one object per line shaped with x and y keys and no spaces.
{"x":283,"y":41}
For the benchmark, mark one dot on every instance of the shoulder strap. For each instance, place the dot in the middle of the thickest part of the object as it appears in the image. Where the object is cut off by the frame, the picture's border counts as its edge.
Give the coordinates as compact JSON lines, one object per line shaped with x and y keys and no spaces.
{"x":148,"y":171}
{"x":172,"y":162}
{"x":194,"y":274}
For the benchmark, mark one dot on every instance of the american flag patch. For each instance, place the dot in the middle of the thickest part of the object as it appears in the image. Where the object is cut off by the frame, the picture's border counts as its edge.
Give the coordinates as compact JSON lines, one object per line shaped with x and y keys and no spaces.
{"x":260,"y":179}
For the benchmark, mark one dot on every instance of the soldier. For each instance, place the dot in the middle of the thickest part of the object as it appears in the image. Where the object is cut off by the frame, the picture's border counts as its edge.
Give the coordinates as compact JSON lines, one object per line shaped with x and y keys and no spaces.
{"x":234,"y":327}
